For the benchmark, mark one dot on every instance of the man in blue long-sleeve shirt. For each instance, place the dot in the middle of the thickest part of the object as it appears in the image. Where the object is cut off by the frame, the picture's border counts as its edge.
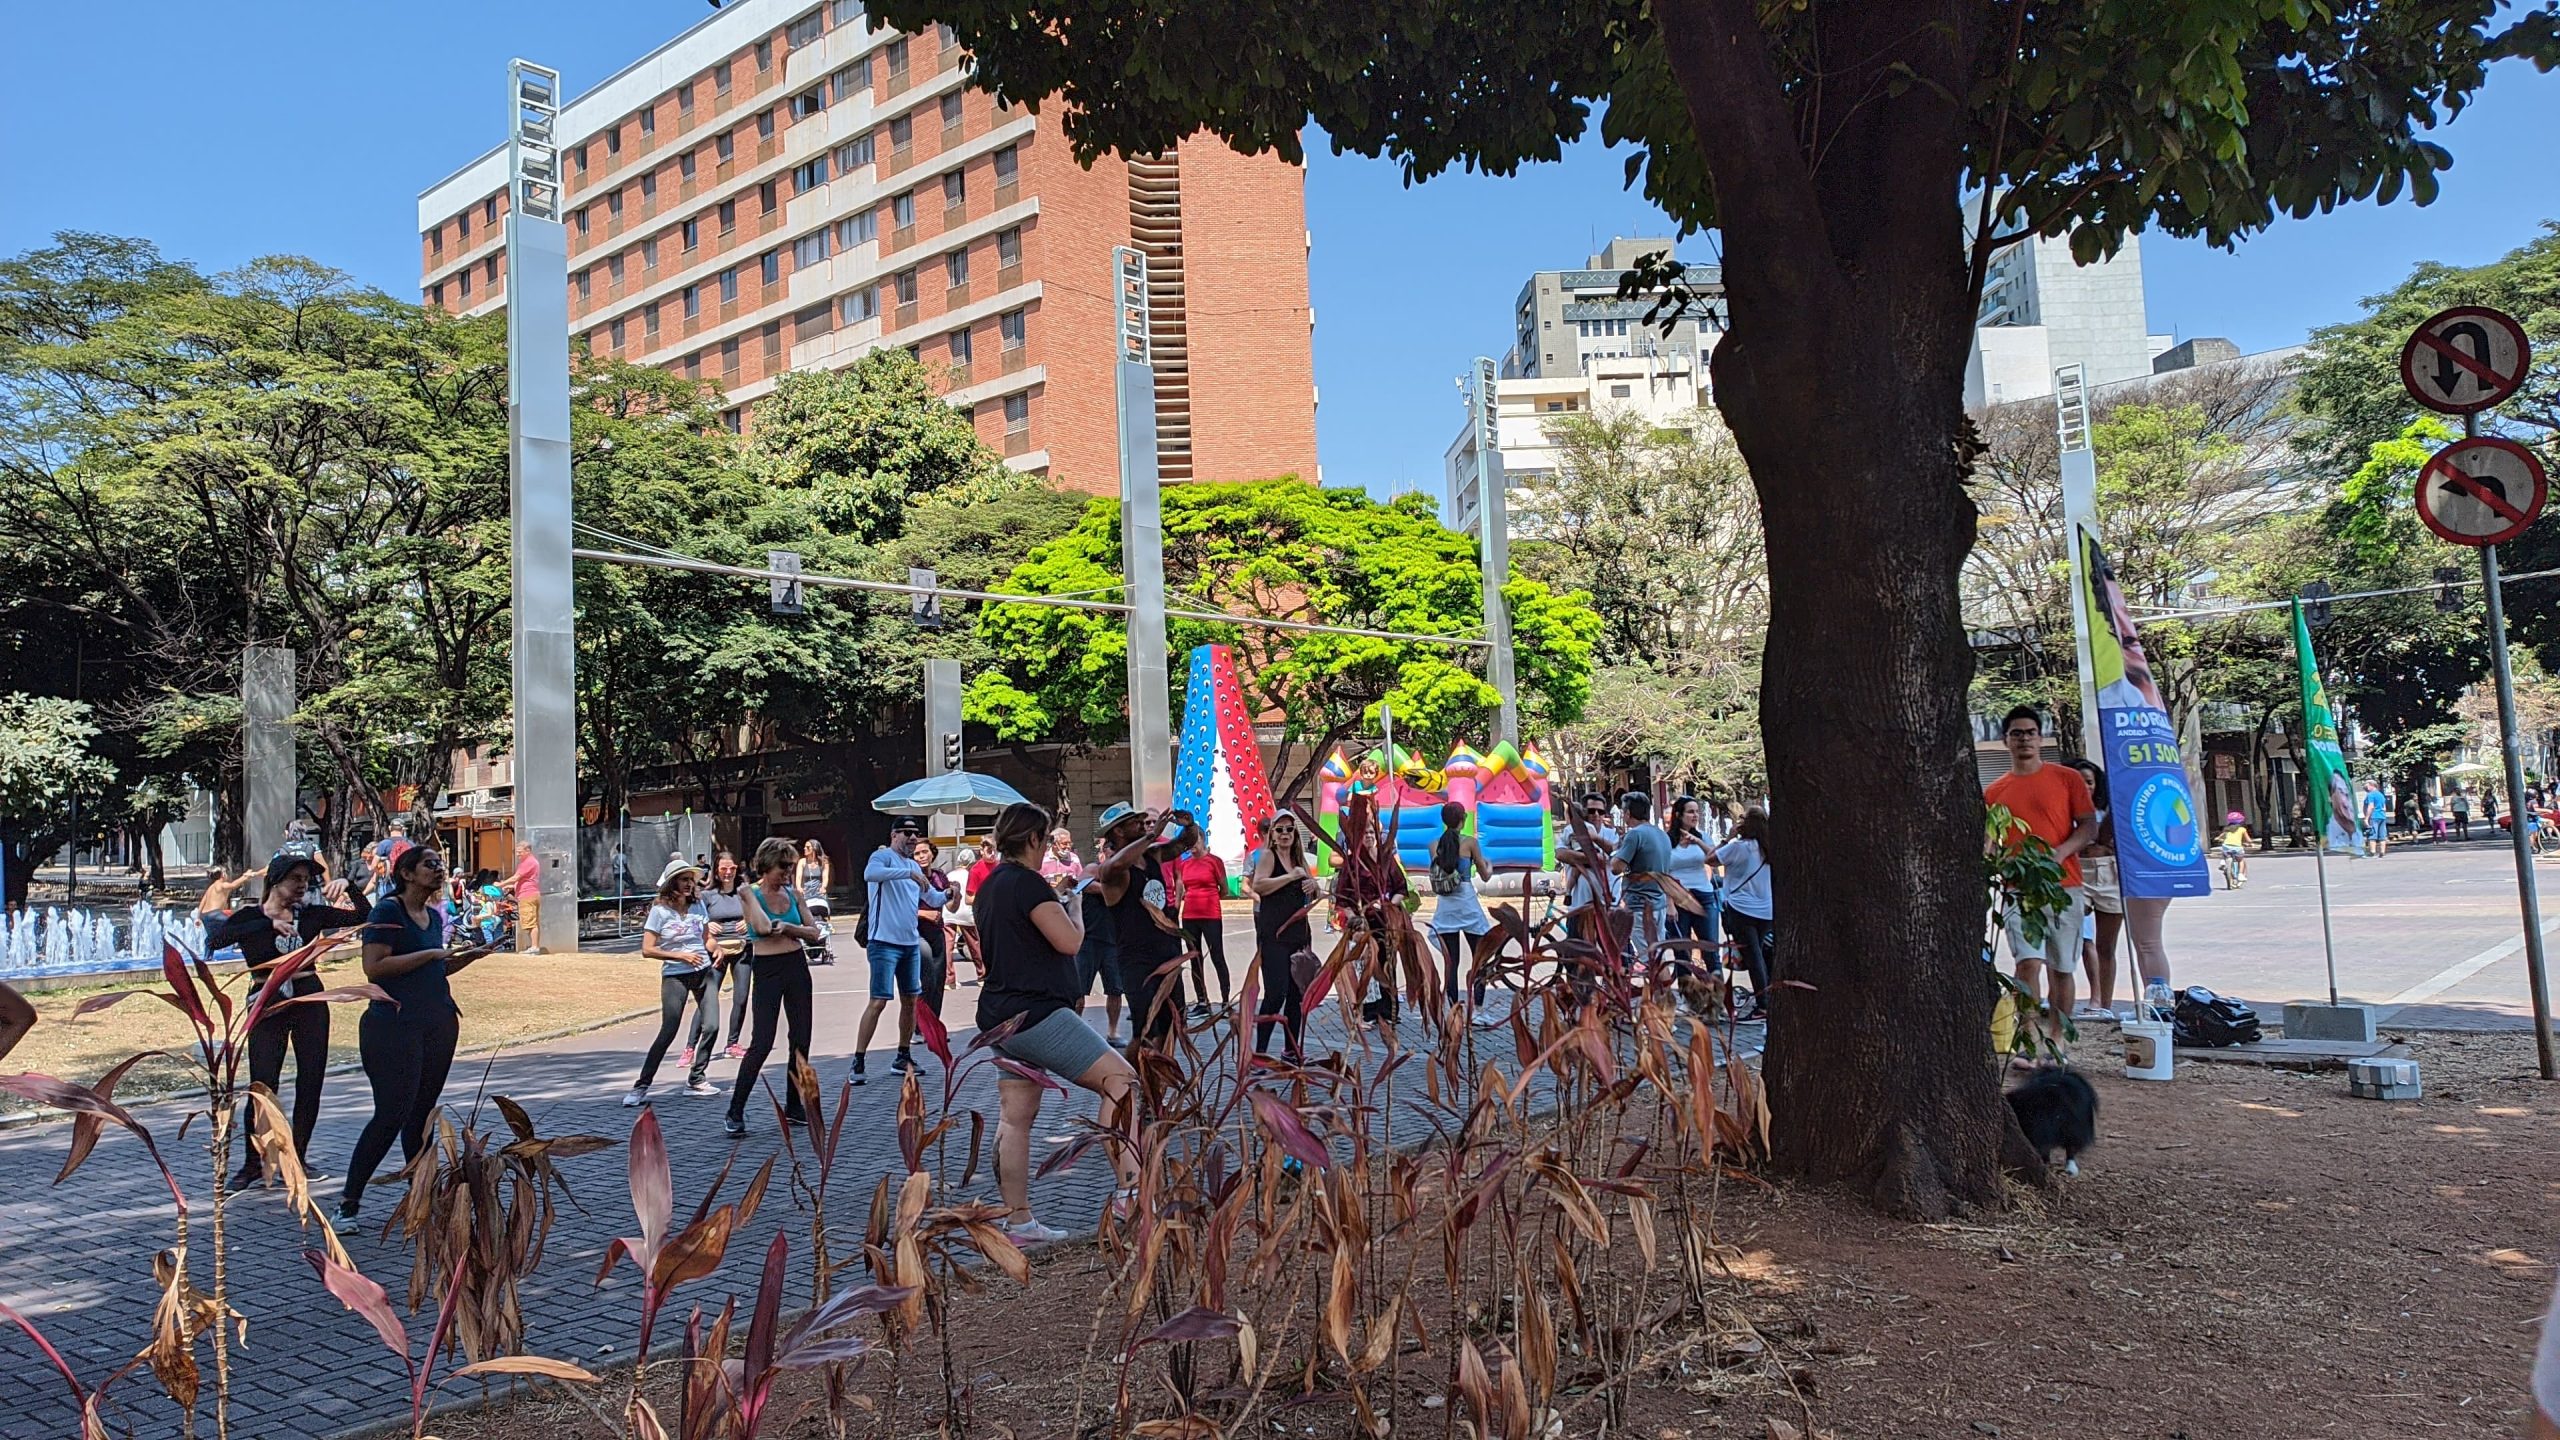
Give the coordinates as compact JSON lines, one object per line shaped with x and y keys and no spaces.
{"x":895,"y":887}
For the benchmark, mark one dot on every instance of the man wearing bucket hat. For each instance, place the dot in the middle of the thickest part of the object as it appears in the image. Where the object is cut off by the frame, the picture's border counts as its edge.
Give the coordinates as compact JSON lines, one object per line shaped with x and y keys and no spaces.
{"x":1135,"y":883}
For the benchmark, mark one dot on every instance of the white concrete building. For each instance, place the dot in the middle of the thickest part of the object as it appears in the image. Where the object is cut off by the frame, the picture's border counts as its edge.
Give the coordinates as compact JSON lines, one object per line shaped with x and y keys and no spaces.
{"x":1525,"y":408}
{"x":2041,"y":311}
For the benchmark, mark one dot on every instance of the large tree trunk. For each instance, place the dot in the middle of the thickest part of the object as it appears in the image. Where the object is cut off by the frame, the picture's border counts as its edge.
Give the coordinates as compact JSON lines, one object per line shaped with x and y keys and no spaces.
{"x":1842,"y":380}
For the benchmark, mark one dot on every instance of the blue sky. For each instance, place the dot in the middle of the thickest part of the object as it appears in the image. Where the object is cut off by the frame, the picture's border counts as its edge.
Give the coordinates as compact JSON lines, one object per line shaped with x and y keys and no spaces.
{"x":312,"y":127}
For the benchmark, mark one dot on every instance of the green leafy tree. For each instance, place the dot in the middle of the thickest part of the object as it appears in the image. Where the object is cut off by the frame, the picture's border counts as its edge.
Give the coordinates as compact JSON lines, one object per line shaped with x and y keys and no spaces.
{"x":867,"y":443}
{"x":1291,"y":551}
{"x":47,"y":770}
{"x":1828,"y":141}
{"x":1658,"y":525}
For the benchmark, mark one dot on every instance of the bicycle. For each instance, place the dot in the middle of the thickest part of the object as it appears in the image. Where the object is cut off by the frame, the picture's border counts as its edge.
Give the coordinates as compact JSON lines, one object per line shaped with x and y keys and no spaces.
{"x":2235,"y":868}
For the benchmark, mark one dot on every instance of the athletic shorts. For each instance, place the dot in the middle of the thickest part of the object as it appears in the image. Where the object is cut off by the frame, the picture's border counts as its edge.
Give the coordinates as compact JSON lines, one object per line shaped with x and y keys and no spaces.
{"x":1061,"y":1044}
{"x":1100,"y":961}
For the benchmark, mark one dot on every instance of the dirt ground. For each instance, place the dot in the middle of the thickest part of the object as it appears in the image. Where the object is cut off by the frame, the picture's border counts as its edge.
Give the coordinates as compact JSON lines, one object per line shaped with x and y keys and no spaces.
{"x":2247,"y":1252}
{"x":576,"y":992}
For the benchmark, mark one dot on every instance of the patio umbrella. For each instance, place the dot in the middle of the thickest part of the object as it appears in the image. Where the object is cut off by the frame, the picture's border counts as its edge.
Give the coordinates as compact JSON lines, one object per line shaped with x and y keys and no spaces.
{"x":2468,"y":769}
{"x":955,"y":792}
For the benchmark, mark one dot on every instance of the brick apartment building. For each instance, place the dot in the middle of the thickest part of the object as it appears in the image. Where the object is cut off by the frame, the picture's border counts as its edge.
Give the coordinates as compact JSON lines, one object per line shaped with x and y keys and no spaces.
{"x":786,"y":186}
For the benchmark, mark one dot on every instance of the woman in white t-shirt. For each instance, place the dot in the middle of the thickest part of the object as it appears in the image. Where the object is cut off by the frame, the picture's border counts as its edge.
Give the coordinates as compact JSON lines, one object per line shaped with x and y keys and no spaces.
{"x":678,"y":936}
{"x":1747,"y":907}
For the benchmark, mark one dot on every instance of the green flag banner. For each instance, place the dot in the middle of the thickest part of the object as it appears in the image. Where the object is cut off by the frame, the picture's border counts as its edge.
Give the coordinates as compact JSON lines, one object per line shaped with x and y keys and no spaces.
{"x":2332,"y":795}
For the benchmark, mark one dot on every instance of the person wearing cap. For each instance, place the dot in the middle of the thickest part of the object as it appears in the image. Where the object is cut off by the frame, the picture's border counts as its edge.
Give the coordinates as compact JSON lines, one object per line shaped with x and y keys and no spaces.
{"x":385,"y":851}
{"x":279,"y":924}
{"x":677,"y":935}
{"x":899,"y":888}
{"x":1136,"y":882}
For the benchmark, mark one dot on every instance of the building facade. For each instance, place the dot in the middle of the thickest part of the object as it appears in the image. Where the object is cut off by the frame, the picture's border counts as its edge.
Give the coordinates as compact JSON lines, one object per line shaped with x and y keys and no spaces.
{"x":787,"y":185}
{"x":2042,"y":310}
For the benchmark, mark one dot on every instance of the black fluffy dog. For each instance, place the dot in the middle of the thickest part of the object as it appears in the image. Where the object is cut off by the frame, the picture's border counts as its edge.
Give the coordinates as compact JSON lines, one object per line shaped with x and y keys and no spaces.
{"x":2058,"y":1110}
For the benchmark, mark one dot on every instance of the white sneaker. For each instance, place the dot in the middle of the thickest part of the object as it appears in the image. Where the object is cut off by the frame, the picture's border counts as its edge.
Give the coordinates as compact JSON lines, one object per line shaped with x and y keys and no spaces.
{"x":638,"y":1097}
{"x":701,"y":1088}
{"x":1032,"y":1232}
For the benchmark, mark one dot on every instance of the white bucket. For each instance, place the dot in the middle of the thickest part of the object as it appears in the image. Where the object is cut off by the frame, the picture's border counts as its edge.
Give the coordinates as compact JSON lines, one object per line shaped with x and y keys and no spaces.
{"x":2149,"y":1053}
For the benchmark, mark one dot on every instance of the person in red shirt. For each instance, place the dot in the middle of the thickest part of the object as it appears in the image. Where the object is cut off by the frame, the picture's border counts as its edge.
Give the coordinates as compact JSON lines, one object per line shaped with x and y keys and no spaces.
{"x":2052,"y":803}
{"x":1202,"y":879}
{"x":979,"y":874}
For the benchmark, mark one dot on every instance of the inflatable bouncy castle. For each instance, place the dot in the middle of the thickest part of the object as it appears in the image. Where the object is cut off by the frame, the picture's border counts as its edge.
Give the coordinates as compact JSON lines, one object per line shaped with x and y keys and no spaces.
{"x":1505,"y":794}
{"x":1219,"y":777}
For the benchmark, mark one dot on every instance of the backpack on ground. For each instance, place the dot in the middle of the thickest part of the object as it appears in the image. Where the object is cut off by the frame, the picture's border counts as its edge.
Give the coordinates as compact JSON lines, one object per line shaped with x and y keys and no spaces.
{"x":2205,"y":1020}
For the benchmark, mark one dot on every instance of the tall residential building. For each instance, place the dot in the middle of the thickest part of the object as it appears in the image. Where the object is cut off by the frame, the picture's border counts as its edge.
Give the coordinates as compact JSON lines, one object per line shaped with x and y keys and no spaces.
{"x":1578,"y":348}
{"x":2042,"y":310}
{"x":787,"y":185}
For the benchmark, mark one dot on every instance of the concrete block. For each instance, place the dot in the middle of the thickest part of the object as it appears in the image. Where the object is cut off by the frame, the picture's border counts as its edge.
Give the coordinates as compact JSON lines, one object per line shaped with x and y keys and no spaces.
{"x":2380,"y":1079}
{"x":2306,"y":1021}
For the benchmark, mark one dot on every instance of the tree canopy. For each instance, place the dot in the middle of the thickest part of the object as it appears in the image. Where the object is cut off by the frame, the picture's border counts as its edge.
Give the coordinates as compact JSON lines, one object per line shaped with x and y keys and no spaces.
{"x":1292,"y":551}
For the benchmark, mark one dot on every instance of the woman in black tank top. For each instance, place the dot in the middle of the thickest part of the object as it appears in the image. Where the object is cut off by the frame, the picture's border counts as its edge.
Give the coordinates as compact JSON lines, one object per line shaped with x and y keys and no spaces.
{"x":1284,"y":889}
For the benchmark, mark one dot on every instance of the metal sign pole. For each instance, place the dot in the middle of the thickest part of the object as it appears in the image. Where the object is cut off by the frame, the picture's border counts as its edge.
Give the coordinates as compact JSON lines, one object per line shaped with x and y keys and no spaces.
{"x":2328,"y":941}
{"x":2079,"y":512}
{"x":2512,"y":752}
{"x":1142,"y":543}
{"x":1493,"y":537}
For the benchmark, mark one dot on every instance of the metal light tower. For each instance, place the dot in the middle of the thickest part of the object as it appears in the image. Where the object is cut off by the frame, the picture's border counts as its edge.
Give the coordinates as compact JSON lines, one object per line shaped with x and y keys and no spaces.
{"x":1493,"y":544}
{"x":2079,"y":512}
{"x":1142,"y":542}
{"x":545,"y":659}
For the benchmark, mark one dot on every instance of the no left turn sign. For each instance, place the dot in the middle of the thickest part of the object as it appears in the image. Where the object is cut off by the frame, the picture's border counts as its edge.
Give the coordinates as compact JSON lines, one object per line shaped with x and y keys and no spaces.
{"x":2465,"y":359}
{"x":2481,"y":492}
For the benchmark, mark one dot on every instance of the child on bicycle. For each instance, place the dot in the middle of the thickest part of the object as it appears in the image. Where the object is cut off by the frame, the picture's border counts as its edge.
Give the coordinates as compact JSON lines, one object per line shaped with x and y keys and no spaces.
{"x":2234,"y":846}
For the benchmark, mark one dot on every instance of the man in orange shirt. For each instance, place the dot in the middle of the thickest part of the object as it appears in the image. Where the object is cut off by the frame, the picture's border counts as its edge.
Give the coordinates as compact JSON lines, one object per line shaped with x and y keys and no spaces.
{"x":2053,"y":802}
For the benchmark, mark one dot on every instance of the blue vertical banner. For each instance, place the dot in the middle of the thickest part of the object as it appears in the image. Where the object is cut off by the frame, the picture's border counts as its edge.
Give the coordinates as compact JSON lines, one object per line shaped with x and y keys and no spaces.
{"x":2159,"y":835}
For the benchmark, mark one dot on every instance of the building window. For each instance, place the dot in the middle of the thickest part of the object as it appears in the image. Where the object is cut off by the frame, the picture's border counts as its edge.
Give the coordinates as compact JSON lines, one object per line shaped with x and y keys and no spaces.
{"x":613,"y":269}
{"x":808,"y":175}
{"x":764,"y":54}
{"x":809,"y":249}
{"x":950,"y":112}
{"x":861,"y":305}
{"x":948,"y":38}
{"x":649,"y":121}
{"x":578,"y":158}
{"x":805,"y":30}
{"x":649,"y":322}
{"x":720,"y":77}
{"x":1009,"y":245}
{"x":1621,"y":392}
{"x":579,"y":216}
{"x":847,"y":12}
{"x":906,"y":283}
{"x":435,"y":240}
{"x":1010,"y":329}
{"x":489,"y":210}
{"x":764,"y":123}
{"x":462,"y":227}
{"x":955,"y":188}
{"x":684,"y":167}
{"x":849,"y":82}
{"x":731,"y":417}
{"x":729,"y":285}
{"x":1008,"y":162}
{"x":854,"y":154}
{"x":960,"y":347}
{"x":489,"y":267}
{"x":902,"y":209}
{"x":859,"y":229}
{"x":725,"y":147}
{"x":769,"y":267}
{"x":728,"y":216}
{"x":772,"y":344}
{"x":809,"y":102}
{"x":902,"y":131}
{"x":692,"y":301}
{"x":684,"y":100}
{"x":616,"y":331}
{"x":729,"y":356}
{"x":955,"y":267}
{"x":1017,"y":413}
{"x":435,"y":293}
{"x":692,"y":233}
{"x":693,"y":366}
{"x":613,"y":141}
{"x":768,"y":196}
{"x":649,"y":253}
{"x":462,"y":278}
{"x":613,"y":204}
{"x":897,"y":52}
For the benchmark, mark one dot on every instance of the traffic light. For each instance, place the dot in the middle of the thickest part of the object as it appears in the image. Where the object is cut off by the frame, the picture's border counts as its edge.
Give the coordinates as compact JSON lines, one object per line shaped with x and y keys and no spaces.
{"x":950,"y":749}
{"x":2315,"y":603}
{"x":2448,"y":589}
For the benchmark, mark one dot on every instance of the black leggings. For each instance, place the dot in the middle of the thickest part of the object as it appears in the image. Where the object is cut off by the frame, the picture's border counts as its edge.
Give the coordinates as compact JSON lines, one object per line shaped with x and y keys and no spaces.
{"x":1209,"y":938}
{"x":1281,"y":996}
{"x":782,"y":992}
{"x":740,"y":974}
{"x":1751,"y":938}
{"x":1457,"y":949}
{"x":701,"y":989}
{"x":307,"y":1027}
{"x":407,"y":1061}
